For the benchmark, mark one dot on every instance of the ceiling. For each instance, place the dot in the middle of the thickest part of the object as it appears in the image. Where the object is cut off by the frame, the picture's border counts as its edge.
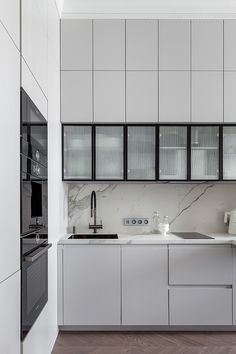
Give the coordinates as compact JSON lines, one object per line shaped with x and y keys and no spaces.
{"x":149,"y":8}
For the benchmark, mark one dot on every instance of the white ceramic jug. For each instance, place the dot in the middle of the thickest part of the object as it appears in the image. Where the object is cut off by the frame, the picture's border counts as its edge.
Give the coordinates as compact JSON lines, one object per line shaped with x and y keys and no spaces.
{"x":230,"y":218}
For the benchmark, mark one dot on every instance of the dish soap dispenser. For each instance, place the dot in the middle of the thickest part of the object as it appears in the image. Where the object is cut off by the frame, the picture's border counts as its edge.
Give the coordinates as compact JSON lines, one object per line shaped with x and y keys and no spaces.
{"x":155,"y":222}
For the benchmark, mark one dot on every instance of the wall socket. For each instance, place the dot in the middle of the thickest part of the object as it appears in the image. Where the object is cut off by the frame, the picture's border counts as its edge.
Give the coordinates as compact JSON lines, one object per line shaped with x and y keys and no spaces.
{"x":136,"y":221}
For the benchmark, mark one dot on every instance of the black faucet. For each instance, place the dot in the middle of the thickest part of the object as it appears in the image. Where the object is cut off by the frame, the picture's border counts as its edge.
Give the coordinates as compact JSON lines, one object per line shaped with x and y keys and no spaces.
{"x":93,"y":211}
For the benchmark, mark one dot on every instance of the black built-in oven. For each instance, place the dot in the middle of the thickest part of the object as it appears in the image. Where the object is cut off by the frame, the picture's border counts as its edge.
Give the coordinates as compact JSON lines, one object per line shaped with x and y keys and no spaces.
{"x":34,"y":210}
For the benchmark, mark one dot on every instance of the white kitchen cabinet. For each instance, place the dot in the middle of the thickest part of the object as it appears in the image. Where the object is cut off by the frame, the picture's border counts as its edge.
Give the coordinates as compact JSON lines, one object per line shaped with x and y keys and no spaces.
{"x":144,"y":285}
{"x":174,"y":45}
{"x":10,"y":315}
{"x":174,"y":96}
{"x":109,"y":96}
{"x":207,"y":96}
{"x":230,"y":96}
{"x":10,"y":156}
{"x":142,"y":96}
{"x":207,"y":44}
{"x":141,"y":44}
{"x":109,"y":44}
{"x":10,"y":17}
{"x":91,"y":285}
{"x":200,"y":265}
{"x":76,"y":96}
{"x":76,"y":44}
{"x":196,"y":306}
{"x":234,"y":286}
{"x":34,"y":39}
{"x":230,"y":45}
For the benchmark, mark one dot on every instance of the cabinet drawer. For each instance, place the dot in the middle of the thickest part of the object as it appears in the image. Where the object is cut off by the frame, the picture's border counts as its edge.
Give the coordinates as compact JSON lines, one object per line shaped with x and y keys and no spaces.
{"x":200,"y":265}
{"x":200,"y":306}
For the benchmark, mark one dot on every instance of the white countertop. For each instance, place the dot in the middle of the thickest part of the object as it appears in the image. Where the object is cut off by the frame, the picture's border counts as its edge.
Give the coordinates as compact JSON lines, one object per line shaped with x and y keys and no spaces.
{"x":151,"y":239}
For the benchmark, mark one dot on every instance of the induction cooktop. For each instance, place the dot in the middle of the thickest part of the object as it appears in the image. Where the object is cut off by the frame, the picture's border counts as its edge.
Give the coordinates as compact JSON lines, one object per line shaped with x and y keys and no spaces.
{"x":191,"y":235}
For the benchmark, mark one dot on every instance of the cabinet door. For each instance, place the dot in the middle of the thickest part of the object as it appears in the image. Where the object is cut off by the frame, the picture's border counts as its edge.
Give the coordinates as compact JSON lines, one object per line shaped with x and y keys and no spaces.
{"x":229,"y":96}
{"x":144,"y":285}
{"x":109,"y":152}
{"x":230,"y":45}
{"x":141,"y":44}
{"x":77,"y":152}
{"x":10,"y":315}
{"x":142,"y":96}
{"x":207,"y":44}
{"x":229,"y":153}
{"x":141,"y":153}
{"x":109,"y":44}
{"x":92,"y":285}
{"x":174,"y":96}
{"x":76,"y":96}
{"x":173,"y":153}
{"x":204,"y":152}
{"x":207,"y":97}
{"x":76,"y":44}
{"x":10,"y":18}
{"x":109,"y":96}
{"x":174,"y":45}
{"x":204,"y":306}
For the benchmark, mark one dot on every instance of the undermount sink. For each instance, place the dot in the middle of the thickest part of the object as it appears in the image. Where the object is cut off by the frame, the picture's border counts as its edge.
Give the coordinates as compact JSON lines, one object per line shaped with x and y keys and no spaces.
{"x":93,"y":236}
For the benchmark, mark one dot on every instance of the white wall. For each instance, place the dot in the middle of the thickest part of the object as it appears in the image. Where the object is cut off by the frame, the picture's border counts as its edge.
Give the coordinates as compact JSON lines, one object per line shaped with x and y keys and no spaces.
{"x":191,"y":207}
{"x":151,"y":7}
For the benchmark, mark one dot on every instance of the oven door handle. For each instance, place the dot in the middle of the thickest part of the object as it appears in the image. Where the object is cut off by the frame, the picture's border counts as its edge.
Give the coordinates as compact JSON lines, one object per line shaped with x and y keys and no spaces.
{"x":33,"y":258}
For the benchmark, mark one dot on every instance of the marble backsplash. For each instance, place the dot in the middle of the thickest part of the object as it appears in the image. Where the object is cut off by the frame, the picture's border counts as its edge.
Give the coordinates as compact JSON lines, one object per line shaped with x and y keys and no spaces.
{"x":190,"y":207}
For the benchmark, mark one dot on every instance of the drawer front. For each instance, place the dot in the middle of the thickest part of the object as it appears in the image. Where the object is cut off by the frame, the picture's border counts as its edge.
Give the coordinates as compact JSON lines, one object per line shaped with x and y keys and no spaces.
{"x":198,"y":306}
{"x":200,"y":265}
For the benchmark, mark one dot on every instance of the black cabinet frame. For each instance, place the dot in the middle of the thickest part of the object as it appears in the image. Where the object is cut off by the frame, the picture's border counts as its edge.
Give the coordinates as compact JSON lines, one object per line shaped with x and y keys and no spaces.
{"x":125,"y":152}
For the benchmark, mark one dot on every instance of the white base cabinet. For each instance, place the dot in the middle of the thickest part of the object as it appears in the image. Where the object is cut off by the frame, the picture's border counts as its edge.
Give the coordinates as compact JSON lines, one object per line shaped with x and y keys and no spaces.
{"x":91,"y":285}
{"x":144,"y":285}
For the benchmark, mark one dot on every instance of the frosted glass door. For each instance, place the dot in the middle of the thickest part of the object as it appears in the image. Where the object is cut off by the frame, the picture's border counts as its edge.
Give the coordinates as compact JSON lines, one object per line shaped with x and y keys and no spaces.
{"x":141,"y":153}
{"x":78,"y":152}
{"x":173,"y":153}
{"x":109,"y":152}
{"x":229,"y":153}
{"x":204,"y":153}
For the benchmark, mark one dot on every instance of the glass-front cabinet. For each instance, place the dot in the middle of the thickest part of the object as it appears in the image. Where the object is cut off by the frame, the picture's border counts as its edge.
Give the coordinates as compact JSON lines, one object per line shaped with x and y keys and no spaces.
{"x":152,"y":152}
{"x":229,"y":153}
{"x":204,"y":152}
{"x":173,"y":153}
{"x":77,"y":142}
{"x":109,"y":150}
{"x":141,"y":153}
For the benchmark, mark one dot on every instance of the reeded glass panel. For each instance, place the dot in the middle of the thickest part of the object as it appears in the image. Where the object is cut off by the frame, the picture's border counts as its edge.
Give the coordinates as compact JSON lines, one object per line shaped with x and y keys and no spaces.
{"x":109,"y":152}
{"x":141,"y":153}
{"x":78,"y":152}
{"x":229,"y":155}
{"x":173,"y":153}
{"x":204,"y":153}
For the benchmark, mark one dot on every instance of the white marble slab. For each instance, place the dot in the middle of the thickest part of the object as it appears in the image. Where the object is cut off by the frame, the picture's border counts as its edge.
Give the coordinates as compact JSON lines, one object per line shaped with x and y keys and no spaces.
{"x":151,"y":239}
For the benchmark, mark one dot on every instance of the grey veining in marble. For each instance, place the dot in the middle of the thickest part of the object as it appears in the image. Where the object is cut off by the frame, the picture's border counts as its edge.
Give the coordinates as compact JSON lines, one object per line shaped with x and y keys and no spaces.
{"x":190,"y":207}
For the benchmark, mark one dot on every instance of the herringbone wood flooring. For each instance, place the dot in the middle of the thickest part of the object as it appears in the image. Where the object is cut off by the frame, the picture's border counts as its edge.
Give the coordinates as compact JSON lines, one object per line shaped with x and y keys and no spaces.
{"x":145,"y":343}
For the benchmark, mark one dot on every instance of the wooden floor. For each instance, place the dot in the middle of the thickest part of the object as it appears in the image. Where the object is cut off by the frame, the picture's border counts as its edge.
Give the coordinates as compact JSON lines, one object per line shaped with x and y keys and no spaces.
{"x":145,"y":342}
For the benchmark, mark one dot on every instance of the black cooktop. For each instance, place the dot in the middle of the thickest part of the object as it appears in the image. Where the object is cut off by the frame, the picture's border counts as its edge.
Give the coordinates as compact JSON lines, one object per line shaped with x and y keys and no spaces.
{"x":191,"y":235}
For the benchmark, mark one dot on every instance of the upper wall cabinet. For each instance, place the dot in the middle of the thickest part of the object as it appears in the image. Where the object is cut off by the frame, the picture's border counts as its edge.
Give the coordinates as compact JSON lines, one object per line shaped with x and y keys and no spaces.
{"x":76,"y":45}
{"x":229,"y":97}
{"x":109,"y":44}
{"x":230,"y":45}
{"x":10,"y":17}
{"x":142,"y":96}
{"x":109,"y":96}
{"x":76,"y":96}
{"x":207,"y":96}
{"x":34,"y":39}
{"x":207,"y":45}
{"x":174,"y":45}
{"x":174,"y":96}
{"x":141,"y":45}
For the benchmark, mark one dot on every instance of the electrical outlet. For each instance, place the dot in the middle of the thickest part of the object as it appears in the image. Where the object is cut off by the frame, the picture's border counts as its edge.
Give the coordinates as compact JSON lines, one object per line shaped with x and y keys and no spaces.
{"x":136,"y":221}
